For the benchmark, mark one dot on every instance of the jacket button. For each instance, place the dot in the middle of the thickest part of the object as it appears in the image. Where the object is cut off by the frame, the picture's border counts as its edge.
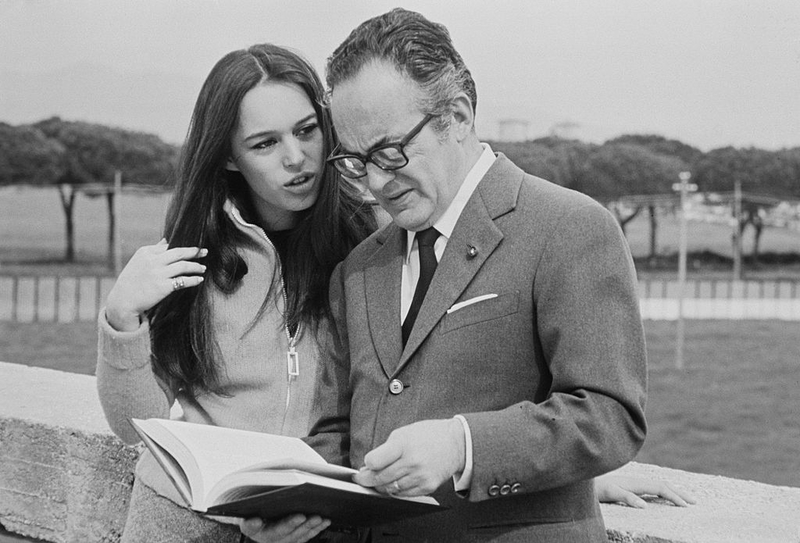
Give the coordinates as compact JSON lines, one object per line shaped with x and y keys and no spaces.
{"x":505,"y":489}
{"x":494,"y":490}
{"x":396,"y":386}
{"x":516,"y":487}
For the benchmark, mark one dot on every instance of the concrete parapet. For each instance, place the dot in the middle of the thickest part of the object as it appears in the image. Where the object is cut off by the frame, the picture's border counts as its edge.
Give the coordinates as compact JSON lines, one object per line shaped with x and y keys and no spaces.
{"x":65,"y":478}
{"x":727,"y":511}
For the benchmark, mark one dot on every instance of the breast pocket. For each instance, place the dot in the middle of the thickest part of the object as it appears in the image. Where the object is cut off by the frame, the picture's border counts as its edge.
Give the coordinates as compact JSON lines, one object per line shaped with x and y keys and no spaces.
{"x":482,"y":311}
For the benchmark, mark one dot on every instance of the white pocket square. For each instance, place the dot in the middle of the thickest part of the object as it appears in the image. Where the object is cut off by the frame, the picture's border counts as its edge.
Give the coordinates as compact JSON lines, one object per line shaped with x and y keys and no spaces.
{"x":471,"y":301}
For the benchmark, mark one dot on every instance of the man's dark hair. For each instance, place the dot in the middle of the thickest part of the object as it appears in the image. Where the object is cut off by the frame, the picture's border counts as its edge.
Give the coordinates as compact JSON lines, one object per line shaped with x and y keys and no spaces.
{"x":418,"y":48}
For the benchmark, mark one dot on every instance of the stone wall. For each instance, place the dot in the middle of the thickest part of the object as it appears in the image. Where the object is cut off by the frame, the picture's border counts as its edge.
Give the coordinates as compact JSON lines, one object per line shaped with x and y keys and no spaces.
{"x":65,"y":478}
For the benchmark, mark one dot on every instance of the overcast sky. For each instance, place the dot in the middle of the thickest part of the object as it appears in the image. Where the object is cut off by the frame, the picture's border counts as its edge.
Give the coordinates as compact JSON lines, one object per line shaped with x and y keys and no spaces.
{"x":708,"y":72}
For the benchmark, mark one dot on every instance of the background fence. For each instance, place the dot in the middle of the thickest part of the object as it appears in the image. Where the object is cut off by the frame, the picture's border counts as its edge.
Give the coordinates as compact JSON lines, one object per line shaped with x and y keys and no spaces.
{"x":78,"y":298}
{"x":52,"y":299}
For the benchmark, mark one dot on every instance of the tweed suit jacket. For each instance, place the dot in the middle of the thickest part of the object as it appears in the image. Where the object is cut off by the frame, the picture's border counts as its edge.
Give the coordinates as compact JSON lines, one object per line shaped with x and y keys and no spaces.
{"x":549,"y":370}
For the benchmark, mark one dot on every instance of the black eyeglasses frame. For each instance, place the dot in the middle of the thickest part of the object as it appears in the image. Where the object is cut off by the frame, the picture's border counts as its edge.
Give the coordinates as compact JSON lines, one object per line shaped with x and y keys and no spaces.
{"x":336,"y":159}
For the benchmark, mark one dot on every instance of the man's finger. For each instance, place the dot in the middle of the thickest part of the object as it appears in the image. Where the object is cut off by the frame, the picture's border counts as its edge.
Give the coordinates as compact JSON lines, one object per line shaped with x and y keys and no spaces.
{"x":384,"y":455}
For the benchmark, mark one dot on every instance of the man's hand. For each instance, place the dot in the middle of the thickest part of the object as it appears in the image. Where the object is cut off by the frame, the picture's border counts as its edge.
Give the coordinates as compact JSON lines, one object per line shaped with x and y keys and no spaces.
{"x":416,"y":459}
{"x":294,"y":529}
{"x":621,"y":489}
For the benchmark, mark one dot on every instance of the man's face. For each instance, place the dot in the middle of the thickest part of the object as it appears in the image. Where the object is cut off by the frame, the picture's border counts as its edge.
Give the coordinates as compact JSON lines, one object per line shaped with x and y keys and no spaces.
{"x":378,"y":106}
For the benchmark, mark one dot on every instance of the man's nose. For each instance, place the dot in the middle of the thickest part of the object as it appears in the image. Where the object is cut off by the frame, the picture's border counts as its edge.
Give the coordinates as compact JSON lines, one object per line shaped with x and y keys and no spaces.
{"x":377,"y":178}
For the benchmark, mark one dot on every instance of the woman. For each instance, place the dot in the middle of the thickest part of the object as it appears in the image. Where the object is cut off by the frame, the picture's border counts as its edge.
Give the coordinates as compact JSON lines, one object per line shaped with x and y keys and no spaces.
{"x":228,"y":317}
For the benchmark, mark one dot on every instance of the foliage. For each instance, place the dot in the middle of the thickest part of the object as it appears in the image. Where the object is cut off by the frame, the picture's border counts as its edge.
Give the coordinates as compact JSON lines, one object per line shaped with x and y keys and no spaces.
{"x":27,"y":155}
{"x":621,"y":169}
{"x":94,"y":152}
{"x":562,"y":161}
{"x":662,"y":146}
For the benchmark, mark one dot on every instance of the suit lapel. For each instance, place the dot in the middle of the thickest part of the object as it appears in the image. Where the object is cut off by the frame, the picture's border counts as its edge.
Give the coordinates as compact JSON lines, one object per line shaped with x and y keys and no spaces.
{"x":495,"y":195}
{"x":383,"y":277}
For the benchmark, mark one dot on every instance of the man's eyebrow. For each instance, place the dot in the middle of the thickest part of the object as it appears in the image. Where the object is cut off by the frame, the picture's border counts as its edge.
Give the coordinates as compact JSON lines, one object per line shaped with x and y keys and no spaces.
{"x":381,"y":141}
{"x":263,"y":133}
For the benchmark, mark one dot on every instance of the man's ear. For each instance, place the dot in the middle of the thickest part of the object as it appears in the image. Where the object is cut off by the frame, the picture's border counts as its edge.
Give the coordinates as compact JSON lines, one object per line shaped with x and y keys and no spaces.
{"x":231,"y":166}
{"x":463,"y":116}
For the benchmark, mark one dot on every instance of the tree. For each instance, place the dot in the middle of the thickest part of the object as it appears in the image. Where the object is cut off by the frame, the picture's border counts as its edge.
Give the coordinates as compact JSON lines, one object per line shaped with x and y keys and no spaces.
{"x":533,"y":158}
{"x":28,"y":157}
{"x":763,"y":176}
{"x":94,"y":153}
{"x":619,"y":170}
{"x":559,"y":160}
{"x":662,"y":146}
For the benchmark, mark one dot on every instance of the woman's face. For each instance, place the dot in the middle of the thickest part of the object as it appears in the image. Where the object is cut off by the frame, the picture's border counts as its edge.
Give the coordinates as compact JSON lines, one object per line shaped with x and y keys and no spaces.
{"x":277,"y":145}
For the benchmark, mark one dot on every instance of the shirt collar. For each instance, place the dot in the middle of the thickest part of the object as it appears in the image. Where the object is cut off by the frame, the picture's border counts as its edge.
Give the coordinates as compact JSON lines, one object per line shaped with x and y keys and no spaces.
{"x":447,"y":222}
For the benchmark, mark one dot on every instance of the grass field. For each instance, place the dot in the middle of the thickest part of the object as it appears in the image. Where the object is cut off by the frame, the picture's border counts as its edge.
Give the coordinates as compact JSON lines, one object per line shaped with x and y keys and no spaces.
{"x":733,"y":410}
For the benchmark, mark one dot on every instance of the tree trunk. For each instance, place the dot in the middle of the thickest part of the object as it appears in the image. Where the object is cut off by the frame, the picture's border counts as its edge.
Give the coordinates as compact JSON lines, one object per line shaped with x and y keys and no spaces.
{"x":623,"y":220}
{"x":653,"y":232}
{"x":67,"y":194}
{"x":112,"y":219}
{"x":759,"y":228}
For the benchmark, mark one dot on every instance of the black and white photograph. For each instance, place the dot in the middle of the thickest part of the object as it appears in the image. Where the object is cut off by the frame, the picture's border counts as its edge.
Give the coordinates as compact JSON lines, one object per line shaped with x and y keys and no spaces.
{"x":424,"y":271}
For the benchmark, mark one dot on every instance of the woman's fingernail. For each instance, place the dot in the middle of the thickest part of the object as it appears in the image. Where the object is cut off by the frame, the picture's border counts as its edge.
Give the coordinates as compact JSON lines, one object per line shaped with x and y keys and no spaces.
{"x":203,"y":252}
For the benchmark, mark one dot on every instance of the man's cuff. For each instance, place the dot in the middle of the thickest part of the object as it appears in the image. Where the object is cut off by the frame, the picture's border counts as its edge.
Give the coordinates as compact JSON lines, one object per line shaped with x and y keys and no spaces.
{"x":464,"y":479}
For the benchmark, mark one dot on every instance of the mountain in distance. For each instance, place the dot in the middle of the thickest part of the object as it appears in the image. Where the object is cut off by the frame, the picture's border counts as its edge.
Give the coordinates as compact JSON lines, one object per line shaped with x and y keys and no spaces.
{"x":155,"y":102}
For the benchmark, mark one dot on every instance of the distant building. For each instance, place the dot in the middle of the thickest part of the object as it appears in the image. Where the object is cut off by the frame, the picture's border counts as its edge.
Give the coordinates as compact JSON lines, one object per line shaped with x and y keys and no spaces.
{"x":512,"y":130}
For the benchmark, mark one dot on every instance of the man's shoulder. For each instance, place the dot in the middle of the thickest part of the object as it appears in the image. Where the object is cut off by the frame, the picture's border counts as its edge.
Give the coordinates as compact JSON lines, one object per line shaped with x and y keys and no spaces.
{"x":364,"y":250}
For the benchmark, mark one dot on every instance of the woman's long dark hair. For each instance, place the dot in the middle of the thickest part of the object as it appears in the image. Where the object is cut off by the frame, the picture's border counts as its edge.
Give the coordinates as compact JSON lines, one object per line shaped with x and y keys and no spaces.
{"x":185,"y":353}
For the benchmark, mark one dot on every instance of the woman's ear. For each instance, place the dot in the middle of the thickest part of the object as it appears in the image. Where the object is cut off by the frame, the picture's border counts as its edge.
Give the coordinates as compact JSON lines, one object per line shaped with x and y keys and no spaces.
{"x":231,"y":166}
{"x":463,"y":116}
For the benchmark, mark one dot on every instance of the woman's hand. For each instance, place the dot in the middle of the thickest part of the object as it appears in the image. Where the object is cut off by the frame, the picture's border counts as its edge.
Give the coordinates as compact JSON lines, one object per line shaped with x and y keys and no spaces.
{"x":294,"y":529}
{"x":613,"y":488}
{"x":152,"y":273}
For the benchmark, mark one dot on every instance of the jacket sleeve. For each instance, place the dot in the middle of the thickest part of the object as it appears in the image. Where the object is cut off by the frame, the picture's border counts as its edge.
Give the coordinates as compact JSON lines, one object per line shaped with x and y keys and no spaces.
{"x":586,"y":317}
{"x":126,"y":384}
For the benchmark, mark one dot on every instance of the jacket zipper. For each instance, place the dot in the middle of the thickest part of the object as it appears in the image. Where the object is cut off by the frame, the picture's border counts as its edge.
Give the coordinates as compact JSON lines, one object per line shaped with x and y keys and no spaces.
{"x":292,"y":357}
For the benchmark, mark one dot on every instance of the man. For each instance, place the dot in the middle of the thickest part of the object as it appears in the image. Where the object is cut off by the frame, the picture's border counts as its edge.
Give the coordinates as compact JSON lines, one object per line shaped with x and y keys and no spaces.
{"x":522,"y":375}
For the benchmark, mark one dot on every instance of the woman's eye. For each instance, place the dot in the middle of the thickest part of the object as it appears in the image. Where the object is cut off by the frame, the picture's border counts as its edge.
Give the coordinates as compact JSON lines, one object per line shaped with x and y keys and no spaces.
{"x":266,"y":144}
{"x":307,"y":130}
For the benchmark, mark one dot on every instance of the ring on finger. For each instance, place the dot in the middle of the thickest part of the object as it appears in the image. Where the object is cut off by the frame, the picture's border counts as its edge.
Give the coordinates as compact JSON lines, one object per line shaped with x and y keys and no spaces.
{"x":177,"y":283}
{"x":396,"y":487}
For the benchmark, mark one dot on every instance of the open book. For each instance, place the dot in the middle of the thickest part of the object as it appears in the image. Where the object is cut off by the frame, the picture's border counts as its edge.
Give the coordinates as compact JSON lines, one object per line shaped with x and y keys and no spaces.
{"x":223,"y":471}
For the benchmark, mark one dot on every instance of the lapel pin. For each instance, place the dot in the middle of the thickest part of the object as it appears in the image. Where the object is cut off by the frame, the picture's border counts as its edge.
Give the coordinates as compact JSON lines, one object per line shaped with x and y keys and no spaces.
{"x":472,"y":251}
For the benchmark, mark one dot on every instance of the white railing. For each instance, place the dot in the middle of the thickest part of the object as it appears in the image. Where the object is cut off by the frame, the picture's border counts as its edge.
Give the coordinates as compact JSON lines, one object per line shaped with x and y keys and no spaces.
{"x":31,"y":298}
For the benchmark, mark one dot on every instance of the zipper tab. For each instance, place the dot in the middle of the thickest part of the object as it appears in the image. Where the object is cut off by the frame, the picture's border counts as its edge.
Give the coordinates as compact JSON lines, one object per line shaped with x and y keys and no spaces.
{"x":293,"y":362}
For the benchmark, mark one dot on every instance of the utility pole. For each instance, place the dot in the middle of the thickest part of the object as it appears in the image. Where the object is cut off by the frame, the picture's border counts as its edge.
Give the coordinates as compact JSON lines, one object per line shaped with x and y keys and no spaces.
{"x":683,"y":187}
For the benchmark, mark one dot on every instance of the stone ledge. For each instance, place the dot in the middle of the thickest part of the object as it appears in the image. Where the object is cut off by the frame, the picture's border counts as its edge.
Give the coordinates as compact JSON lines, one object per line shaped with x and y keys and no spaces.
{"x":64,"y":477}
{"x":727,"y":511}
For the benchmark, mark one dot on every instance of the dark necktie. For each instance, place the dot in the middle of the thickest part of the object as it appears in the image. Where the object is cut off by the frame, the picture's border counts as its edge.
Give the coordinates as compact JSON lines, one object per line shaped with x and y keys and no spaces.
{"x":427,"y":265}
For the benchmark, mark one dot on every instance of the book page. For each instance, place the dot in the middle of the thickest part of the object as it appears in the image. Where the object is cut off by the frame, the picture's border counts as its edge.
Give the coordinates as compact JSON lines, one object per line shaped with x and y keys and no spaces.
{"x":166,"y":459}
{"x":219,"y":451}
{"x":333,"y":471}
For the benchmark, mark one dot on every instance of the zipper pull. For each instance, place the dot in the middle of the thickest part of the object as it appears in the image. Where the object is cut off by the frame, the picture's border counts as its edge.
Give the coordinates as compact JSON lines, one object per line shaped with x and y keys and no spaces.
{"x":292,"y":362}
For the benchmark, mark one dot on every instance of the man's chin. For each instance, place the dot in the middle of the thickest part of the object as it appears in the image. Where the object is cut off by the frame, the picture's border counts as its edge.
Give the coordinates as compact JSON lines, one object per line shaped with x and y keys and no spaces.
{"x":413,"y":224}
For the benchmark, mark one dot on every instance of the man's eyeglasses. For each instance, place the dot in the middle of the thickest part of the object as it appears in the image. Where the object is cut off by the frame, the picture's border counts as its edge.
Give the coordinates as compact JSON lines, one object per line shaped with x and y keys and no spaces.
{"x":387,"y":157}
